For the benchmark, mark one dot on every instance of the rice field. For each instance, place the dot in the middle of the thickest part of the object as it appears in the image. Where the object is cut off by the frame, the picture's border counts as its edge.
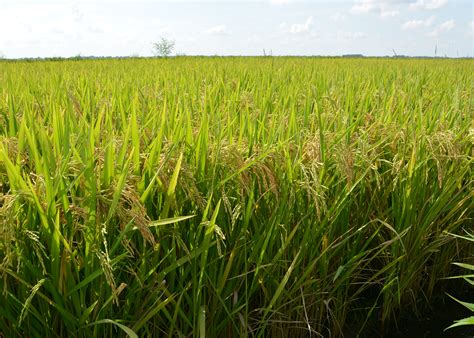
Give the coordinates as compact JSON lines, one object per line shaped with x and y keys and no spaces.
{"x":220,"y":197}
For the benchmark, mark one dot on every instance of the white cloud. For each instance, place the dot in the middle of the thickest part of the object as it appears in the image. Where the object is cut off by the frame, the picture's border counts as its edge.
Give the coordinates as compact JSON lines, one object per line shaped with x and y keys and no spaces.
{"x":218,"y":30}
{"x":336,"y":17}
{"x":93,"y":27}
{"x":470,"y":31}
{"x":444,"y":27}
{"x":365,"y":6}
{"x":447,"y":25}
{"x":383,"y":8}
{"x":253,"y":38}
{"x":298,"y":28}
{"x":77,"y":13}
{"x":95,"y":30}
{"x":428,"y":4}
{"x":413,"y":24}
{"x":388,"y":13}
{"x":47,"y":29}
{"x":351,"y":35}
{"x":280,"y":2}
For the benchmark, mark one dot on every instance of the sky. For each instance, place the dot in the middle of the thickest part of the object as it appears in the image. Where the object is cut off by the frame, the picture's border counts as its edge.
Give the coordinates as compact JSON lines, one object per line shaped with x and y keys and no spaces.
{"x":282,"y":27}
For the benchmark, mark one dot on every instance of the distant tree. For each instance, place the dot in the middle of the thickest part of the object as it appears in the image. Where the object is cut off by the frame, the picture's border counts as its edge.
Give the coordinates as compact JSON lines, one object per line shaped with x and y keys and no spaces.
{"x":77,"y":57}
{"x":163,"y":48}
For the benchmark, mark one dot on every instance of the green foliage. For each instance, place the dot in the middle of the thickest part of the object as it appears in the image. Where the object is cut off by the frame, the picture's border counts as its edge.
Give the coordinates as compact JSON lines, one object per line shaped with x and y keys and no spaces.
{"x":228,"y":196}
{"x":163,"y":48}
{"x":469,"y":278}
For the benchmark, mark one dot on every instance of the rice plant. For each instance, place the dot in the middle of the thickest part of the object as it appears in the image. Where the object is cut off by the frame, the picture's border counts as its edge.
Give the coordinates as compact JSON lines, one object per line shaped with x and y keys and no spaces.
{"x":229,"y":196}
{"x":468,"y":278}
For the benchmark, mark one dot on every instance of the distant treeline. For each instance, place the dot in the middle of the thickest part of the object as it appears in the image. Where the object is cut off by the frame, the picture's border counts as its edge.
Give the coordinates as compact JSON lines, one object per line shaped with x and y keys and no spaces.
{"x":80,"y":57}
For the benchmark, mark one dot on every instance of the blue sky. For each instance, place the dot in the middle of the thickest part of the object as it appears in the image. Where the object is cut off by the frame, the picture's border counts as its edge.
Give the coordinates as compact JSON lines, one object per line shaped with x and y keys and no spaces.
{"x":286,"y":27}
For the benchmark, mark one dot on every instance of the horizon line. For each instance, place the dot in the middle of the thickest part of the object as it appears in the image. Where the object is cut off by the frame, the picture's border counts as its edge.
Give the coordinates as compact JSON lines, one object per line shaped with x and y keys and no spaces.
{"x":351,"y":55}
